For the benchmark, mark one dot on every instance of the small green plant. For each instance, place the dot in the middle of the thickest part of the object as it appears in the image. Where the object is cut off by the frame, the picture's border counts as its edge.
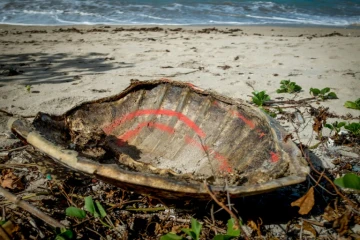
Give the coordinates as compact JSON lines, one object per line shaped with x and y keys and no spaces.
{"x":259,"y":98}
{"x":353,"y":105}
{"x":64,"y":234}
{"x":28,"y":88}
{"x":353,"y":128}
{"x":323,"y":93}
{"x":349,"y":180}
{"x":231,"y":232}
{"x":194,"y":232}
{"x":286,"y":86}
{"x":95,"y":210}
{"x":335,"y":126}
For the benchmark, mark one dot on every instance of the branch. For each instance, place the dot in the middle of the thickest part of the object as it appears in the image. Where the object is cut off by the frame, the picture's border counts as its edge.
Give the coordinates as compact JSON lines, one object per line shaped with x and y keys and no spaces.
{"x":290,"y":101}
{"x":236,"y":219}
{"x":31,"y":209}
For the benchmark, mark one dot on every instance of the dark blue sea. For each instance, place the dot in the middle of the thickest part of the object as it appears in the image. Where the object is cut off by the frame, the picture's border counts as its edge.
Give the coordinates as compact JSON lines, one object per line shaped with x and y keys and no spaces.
{"x":181,"y":12}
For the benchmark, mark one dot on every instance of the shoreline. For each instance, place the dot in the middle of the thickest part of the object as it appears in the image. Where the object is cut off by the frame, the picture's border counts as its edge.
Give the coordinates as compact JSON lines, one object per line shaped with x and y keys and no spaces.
{"x":250,"y":29}
{"x":354,"y":25}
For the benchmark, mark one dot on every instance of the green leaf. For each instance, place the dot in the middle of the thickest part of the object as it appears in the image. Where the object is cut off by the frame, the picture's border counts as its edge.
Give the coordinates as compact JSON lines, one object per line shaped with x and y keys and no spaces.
{"x":196,"y":227}
{"x":90,"y":207}
{"x":331,"y":95}
{"x":101,"y":209}
{"x":325,"y":90}
{"x":75,"y":212}
{"x":297,"y":88}
{"x":230,"y":228}
{"x":171,"y":236}
{"x":349,"y":180}
{"x":223,"y":237}
{"x":190,"y":233}
{"x":314,"y":91}
{"x":59,"y":237}
{"x":329,"y":126}
{"x":352,"y":105}
{"x":256,"y":100}
{"x":65,"y":234}
{"x":281,"y":90}
{"x":261,"y":95}
{"x":354,"y":128}
{"x":341,"y":124}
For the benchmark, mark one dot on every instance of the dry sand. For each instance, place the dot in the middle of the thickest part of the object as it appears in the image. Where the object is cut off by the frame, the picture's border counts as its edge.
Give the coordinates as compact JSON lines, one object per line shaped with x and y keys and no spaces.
{"x":70,"y":64}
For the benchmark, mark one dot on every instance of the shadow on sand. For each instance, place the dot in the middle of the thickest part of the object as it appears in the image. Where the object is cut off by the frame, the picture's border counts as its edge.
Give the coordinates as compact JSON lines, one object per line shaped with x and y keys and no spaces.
{"x":36,"y":68}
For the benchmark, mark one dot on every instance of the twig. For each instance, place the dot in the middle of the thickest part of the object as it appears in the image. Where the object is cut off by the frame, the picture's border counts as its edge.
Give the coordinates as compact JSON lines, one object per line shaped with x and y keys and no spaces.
{"x":301,"y":229}
{"x":28,"y":197}
{"x":31,"y":209}
{"x":289,"y":101}
{"x":313,"y":222}
{"x":213,"y":218}
{"x":21,"y":167}
{"x":227,"y":194}
{"x":14,"y":149}
{"x":311,"y":177}
{"x":146,"y":209}
{"x":236,"y":219}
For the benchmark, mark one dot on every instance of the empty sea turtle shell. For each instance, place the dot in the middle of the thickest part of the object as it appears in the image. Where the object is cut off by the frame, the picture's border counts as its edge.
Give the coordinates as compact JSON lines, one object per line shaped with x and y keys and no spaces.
{"x":167,"y":138}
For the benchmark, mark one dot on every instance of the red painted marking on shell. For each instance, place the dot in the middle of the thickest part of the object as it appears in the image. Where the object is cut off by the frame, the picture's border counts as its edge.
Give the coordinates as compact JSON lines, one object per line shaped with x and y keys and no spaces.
{"x":224,"y":163}
{"x":131,"y":133}
{"x":245,"y":120}
{"x":215,"y":103}
{"x":261,"y":134}
{"x":109,"y":128}
{"x":274,"y":157}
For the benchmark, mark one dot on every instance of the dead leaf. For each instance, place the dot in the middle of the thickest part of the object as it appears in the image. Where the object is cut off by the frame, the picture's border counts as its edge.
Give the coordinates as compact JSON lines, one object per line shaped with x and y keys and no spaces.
{"x":110,"y":194}
{"x":320,"y":120}
{"x":10,"y":180}
{"x":7,"y":183}
{"x":329,"y":213}
{"x":308,"y":227}
{"x":256,"y":226}
{"x":287,"y":137}
{"x":306,"y":202}
{"x":342,"y":223}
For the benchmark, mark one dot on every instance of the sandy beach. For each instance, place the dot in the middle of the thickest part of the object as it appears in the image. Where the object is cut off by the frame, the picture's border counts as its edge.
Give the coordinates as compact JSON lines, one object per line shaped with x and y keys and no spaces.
{"x":58,"y":67}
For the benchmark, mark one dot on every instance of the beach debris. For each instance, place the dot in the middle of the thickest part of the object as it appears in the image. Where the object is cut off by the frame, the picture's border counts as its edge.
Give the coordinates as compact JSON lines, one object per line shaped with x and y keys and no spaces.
{"x":9,"y":180}
{"x":225,"y":67}
{"x":305,"y":203}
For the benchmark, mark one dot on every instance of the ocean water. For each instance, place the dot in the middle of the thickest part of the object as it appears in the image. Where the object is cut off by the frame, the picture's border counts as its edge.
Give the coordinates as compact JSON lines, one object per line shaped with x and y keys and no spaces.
{"x":181,"y":12}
